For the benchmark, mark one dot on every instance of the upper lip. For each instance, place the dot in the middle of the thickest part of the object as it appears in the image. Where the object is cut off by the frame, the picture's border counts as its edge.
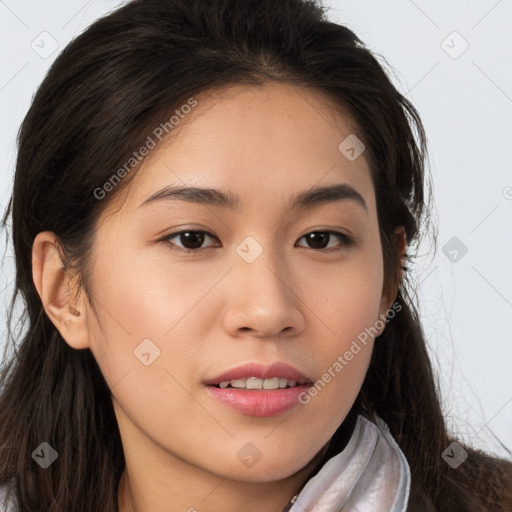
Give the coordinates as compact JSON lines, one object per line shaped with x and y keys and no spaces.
{"x":262,"y":371}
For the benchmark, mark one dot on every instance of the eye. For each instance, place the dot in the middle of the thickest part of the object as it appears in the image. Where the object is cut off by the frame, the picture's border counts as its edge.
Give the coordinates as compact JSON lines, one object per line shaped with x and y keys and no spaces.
{"x":192,"y":240}
{"x":318,"y":240}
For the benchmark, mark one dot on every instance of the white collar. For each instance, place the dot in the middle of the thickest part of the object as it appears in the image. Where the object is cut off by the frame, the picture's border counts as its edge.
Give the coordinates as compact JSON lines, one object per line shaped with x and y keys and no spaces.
{"x":370,"y":474}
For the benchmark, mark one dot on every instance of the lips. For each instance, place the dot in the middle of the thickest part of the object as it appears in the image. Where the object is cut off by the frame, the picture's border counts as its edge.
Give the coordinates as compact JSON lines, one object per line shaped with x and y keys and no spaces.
{"x":278,"y":369}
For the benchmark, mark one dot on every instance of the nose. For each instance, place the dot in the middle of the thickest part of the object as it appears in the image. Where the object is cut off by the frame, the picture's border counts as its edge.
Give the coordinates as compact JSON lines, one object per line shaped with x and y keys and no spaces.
{"x":264,"y":298}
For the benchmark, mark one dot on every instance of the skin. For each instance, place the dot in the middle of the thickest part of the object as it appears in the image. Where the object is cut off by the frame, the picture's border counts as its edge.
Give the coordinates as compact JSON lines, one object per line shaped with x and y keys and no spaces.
{"x":211,"y":311}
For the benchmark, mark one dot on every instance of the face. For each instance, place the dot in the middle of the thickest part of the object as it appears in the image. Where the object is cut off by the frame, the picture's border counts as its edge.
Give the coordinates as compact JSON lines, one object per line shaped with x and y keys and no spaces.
{"x":263,"y":282}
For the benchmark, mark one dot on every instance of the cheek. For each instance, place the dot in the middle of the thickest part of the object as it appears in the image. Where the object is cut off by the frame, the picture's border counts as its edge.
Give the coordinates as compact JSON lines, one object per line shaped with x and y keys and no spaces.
{"x":347,"y":304}
{"x":347,"y":300}
{"x":145,"y":346}
{"x":149,"y":311}
{"x":144,"y":292}
{"x":155,"y":400}
{"x":345,"y":352}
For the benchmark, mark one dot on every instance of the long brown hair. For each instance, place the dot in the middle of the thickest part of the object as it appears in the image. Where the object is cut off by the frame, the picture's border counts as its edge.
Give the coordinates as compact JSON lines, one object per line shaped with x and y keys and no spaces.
{"x":100,"y":101}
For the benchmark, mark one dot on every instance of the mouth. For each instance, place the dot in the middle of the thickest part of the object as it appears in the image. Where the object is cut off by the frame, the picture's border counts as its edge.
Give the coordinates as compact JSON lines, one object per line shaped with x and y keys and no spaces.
{"x":255,"y":383}
{"x":261,"y":390}
{"x":256,"y":375}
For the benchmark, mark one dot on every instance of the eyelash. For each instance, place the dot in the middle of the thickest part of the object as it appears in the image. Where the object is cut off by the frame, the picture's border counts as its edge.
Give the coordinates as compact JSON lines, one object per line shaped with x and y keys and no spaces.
{"x":347,"y":240}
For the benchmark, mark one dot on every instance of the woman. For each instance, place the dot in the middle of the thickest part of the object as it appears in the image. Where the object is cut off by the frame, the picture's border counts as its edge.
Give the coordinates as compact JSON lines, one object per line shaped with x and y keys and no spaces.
{"x":211,"y":212}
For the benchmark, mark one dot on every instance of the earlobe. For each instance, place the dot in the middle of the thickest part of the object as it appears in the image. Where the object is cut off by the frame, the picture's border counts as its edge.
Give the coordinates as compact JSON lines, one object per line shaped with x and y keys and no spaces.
{"x":55,"y":289}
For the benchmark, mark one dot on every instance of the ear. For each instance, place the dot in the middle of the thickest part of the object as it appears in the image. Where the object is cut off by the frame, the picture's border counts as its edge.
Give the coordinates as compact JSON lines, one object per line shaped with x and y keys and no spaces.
{"x":400,"y":242}
{"x":56,"y":291}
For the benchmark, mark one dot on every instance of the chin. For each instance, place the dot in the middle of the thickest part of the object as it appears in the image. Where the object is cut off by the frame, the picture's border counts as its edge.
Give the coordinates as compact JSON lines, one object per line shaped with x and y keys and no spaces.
{"x":270,"y":470}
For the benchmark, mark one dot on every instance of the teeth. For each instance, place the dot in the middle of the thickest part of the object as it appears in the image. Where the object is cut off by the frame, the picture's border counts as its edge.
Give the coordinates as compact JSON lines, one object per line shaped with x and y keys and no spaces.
{"x":271,"y":383}
{"x":256,"y":383}
{"x":238,"y":383}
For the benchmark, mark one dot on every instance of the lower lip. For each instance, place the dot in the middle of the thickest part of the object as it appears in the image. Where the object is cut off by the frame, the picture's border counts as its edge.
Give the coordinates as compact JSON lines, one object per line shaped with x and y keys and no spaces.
{"x":259,"y":402}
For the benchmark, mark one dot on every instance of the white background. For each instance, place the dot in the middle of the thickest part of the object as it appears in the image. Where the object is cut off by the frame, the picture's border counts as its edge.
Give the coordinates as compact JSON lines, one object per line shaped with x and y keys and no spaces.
{"x":465,"y":101}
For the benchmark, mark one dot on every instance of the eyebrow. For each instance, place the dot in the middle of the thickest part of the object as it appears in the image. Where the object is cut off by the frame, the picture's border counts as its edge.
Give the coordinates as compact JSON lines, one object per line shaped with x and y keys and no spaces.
{"x":226,"y":199}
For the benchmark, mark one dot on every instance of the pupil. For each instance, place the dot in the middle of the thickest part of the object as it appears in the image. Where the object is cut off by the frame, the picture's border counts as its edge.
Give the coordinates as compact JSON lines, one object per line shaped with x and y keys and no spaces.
{"x":194,"y":238}
{"x":315,"y":237}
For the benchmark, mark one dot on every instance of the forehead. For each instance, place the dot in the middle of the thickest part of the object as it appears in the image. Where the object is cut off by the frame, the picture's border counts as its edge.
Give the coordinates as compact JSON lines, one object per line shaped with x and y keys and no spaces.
{"x":259,"y":142}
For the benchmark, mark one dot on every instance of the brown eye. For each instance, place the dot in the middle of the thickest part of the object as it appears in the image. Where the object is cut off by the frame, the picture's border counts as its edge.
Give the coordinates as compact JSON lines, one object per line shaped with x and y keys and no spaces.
{"x":191,"y":240}
{"x":319,"y":240}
